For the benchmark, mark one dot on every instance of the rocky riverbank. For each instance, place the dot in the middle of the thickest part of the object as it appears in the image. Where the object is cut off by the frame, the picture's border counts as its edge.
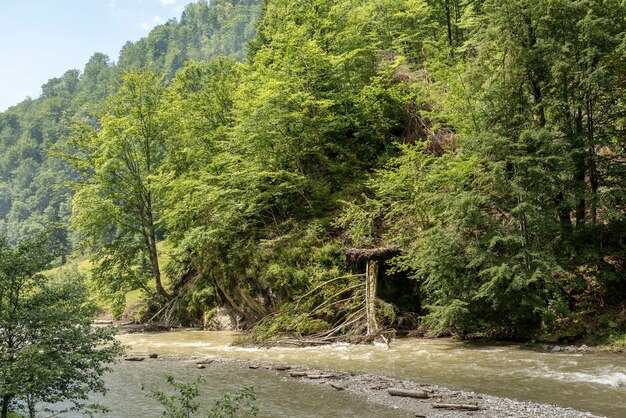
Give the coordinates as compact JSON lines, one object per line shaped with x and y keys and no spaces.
{"x":431,"y":401}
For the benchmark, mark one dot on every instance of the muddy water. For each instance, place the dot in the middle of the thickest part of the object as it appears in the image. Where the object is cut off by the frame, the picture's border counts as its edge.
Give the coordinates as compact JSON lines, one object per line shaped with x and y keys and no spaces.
{"x":595,"y":383}
{"x":276,"y":397}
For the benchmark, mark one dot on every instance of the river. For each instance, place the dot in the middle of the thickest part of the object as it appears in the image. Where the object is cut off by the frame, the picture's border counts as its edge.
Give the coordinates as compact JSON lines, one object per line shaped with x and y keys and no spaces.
{"x":275,"y":396}
{"x":590,"y":382}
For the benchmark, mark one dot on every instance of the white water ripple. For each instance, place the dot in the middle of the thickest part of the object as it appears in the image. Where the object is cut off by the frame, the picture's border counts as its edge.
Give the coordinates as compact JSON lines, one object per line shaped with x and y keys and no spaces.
{"x":608,"y":376}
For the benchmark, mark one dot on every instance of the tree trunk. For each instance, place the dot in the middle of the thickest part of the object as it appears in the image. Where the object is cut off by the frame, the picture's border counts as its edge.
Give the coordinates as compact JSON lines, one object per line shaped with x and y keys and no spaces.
{"x":371,"y":281}
{"x":152,"y":249}
{"x":32,"y":412}
{"x":5,"y":405}
{"x":156,"y":271}
{"x":448,"y":21}
{"x":563,"y":214}
{"x":580,"y":167}
{"x":593,"y":170}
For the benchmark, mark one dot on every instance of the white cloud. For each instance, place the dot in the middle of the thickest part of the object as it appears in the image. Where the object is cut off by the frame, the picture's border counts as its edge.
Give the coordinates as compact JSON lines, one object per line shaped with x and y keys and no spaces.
{"x":114,"y":8}
{"x":156,"y":20}
{"x":166,"y":2}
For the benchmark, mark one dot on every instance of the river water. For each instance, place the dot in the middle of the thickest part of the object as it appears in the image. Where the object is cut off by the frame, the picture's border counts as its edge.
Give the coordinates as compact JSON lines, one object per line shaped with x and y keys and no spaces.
{"x":593,"y":382}
{"x":276,"y":397}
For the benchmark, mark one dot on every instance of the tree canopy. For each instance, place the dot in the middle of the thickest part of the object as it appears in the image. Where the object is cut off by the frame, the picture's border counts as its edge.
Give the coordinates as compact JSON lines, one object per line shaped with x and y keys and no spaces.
{"x":483,"y":139}
{"x":49,"y":351}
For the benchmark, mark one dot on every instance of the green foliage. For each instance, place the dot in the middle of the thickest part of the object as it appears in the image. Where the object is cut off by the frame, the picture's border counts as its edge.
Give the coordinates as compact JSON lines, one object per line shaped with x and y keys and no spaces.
{"x":32,"y":183}
{"x":183,"y":403}
{"x":491,"y":224}
{"x":49,"y":351}
{"x":205,"y":30}
{"x":116,"y":207}
{"x":483,"y":138}
{"x":237,"y":404}
{"x":618,"y":341}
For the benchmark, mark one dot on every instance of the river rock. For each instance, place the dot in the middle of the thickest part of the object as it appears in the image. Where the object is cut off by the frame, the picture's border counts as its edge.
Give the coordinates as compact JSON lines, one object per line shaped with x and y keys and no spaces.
{"x":221,"y":319}
{"x":556,"y":349}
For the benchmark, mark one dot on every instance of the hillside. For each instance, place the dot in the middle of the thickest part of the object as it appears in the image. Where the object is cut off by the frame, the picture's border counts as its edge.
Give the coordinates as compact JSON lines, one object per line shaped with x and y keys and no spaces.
{"x":465,"y":160}
{"x":32,"y":190}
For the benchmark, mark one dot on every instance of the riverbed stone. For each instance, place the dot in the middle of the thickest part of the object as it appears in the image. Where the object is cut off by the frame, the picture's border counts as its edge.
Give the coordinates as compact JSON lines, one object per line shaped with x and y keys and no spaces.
{"x":221,"y":319}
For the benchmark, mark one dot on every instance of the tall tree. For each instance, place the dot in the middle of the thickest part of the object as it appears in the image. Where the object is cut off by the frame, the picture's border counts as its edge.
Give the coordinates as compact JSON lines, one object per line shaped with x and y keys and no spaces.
{"x":116,"y":207}
{"x":496,"y":229}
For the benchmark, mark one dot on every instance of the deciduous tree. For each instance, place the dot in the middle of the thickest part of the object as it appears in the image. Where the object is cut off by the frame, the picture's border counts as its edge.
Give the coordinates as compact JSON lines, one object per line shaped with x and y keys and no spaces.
{"x":49,"y":352}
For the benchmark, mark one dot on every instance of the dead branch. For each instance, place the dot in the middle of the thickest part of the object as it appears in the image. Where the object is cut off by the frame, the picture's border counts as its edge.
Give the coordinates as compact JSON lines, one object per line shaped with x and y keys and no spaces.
{"x":330,"y":298}
{"x":408,"y":393}
{"x":371,"y":253}
{"x":349,"y":276}
{"x":469,"y":407}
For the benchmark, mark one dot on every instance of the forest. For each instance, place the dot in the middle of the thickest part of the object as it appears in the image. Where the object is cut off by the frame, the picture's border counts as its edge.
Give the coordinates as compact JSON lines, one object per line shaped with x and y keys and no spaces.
{"x":231,"y":162}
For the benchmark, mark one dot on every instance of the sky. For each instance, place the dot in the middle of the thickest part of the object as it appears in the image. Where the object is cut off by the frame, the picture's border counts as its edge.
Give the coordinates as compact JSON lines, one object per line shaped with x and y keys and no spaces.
{"x":42,"y":39}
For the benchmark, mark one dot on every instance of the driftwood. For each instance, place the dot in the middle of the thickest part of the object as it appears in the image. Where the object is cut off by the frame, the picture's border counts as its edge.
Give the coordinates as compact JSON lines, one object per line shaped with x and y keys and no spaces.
{"x":312,"y":375}
{"x":300,"y":342}
{"x":408,"y":393}
{"x":278,"y":367}
{"x":135,"y":358}
{"x":319,"y":376}
{"x":468,"y":407}
{"x":358,"y":322}
{"x":349,"y":276}
{"x":147,"y":327}
{"x":372,"y":256}
{"x":336,"y":386}
{"x":381,"y":253}
{"x":371,"y":283}
{"x":297,"y":374}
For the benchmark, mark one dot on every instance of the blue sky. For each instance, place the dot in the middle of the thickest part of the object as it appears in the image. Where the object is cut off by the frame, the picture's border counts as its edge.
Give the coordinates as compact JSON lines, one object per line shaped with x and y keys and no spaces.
{"x":41,"y":39}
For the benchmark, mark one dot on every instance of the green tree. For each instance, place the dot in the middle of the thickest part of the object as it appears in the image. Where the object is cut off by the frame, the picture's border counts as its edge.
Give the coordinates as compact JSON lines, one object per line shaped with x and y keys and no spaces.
{"x":266,"y":151}
{"x":29,"y":129}
{"x":498,"y":226}
{"x":49,"y":352}
{"x":116,"y":207}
